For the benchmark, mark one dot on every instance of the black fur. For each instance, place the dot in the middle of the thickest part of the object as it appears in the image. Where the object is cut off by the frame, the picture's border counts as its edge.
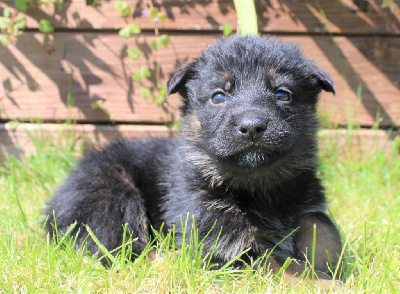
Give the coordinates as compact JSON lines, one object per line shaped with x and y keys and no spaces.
{"x":248,"y":164}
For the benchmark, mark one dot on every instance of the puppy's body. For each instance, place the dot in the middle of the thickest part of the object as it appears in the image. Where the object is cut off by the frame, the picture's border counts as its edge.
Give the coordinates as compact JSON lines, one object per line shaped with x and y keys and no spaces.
{"x":245,"y":161}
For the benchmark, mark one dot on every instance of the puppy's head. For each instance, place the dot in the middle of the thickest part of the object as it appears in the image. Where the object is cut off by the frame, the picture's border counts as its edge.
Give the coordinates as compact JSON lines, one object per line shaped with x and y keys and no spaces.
{"x":250,"y":106}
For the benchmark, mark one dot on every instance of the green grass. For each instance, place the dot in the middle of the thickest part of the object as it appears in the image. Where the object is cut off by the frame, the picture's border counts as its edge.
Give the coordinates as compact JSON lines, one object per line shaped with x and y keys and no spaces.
{"x":363,"y":190}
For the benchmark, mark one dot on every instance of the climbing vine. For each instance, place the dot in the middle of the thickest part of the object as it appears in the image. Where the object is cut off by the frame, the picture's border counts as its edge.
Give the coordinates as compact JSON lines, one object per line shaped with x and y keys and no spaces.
{"x":146,"y":73}
{"x":12,"y":23}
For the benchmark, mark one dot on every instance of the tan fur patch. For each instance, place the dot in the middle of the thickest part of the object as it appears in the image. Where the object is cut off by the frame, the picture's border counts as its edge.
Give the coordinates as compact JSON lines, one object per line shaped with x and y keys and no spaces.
{"x":227,"y":75}
{"x":229,"y":80}
{"x":192,"y":128}
{"x":228,"y":86}
{"x":195,"y":123}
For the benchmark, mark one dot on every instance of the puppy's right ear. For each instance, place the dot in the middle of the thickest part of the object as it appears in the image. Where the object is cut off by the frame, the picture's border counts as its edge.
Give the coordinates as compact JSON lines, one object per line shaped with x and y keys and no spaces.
{"x":180,"y":77}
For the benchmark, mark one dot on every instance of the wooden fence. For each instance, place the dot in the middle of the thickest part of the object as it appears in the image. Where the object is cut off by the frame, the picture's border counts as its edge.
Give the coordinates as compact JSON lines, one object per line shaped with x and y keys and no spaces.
{"x":85,"y":60}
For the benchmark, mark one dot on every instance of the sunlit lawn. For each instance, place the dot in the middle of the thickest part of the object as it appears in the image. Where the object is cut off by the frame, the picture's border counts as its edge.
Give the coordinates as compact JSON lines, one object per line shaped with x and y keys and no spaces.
{"x":364,"y":195}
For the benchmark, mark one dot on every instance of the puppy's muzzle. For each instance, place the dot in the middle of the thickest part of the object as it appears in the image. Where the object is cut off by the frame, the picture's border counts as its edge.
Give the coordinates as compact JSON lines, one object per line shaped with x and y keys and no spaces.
{"x":251,"y":127}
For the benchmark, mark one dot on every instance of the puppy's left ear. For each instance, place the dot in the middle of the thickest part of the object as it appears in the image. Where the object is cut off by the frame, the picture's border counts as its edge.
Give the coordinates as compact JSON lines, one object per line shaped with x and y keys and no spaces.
{"x":325,"y":79}
{"x":180,"y":77}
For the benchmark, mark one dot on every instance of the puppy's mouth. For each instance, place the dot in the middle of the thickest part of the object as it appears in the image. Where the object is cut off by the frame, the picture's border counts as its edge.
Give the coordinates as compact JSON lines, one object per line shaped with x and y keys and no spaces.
{"x":251,"y":158}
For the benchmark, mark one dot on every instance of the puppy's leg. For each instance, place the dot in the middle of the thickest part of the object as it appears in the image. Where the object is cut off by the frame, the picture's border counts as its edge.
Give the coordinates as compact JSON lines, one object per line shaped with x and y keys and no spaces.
{"x":327,"y":241}
{"x":327,"y":251}
{"x":102,"y":196}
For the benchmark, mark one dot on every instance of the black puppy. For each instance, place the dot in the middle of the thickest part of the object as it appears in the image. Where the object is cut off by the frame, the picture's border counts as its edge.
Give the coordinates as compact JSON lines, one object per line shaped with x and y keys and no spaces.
{"x":245,"y":160}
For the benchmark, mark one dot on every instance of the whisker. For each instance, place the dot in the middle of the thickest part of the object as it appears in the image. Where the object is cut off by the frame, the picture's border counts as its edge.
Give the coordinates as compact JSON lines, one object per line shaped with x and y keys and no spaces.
{"x":279,"y":122}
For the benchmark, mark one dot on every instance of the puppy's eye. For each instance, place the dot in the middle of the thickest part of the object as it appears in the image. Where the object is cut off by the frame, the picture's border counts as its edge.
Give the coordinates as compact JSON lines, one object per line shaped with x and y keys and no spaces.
{"x":284,"y":96}
{"x":218,"y":98}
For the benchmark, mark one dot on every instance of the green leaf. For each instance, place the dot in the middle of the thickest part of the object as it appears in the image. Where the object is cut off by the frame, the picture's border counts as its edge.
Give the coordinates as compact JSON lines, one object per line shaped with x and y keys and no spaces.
{"x":247,"y":17}
{"x":137,"y":76}
{"x":45,"y":26}
{"x":145,"y":72}
{"x":4,"y":22}
{"x":94,"y":3}
{"x":153,"y":13}
{"x":3,"y":40}
{"x":14,"y":124}
{"x":161,"y":16}
{"x":159,"y":99}
{"x":134,"y":28}
{"x":134,"y":53}
{"x":20,"y":23}
{"x":387,"y":3}
{"x":163,"y":93}
{"x":129,"y":30}
{"x":154,"y":45}
{"x":7,"y":12}
{"x":174,"y":125}
{"x":163,"y":40}
{"x":123,"y":8}
{"x":60,"y":4}
{"x":96,"y":104}
{"x":21,"y":5}
{"x":125,"y":32}
{"x":20,"y":19}
{"x":145,"y":92}
{"x":161,"y":88}
{"x":227,"y":30}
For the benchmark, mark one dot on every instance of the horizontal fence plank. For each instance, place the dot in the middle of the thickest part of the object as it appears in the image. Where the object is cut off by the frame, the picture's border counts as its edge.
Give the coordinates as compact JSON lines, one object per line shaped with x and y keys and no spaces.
{"x":41,"y":77}
{"x":278,"y":15}
{"x":358,"y":141}
{"x":25,"y":139}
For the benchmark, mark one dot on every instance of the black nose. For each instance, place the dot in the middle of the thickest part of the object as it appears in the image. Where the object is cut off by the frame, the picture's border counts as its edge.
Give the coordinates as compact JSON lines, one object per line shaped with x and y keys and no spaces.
{"x":251,"y":127}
